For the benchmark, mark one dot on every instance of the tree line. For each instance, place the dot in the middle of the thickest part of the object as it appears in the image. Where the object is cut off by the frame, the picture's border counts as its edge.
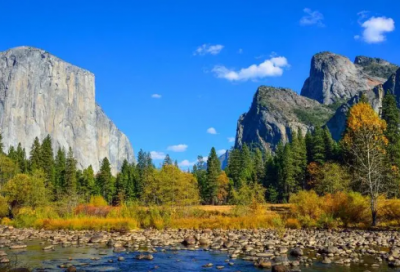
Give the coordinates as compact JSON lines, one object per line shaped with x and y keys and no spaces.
{"x":366,"y":159}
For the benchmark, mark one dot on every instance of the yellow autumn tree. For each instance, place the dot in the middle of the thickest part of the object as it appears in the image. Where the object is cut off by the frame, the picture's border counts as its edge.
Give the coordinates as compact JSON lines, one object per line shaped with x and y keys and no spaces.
{"x":223,"y":188}
{"x":364,"y":145}
{"x":171,"y":186}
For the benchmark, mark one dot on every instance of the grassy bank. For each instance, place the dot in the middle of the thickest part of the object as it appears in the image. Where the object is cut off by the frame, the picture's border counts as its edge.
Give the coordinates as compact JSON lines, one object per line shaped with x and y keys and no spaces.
{"x":305,"y":210}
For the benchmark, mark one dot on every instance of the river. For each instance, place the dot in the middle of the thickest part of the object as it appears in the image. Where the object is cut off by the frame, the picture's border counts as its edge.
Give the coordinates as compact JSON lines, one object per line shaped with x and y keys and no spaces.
{"x":89,"y":259}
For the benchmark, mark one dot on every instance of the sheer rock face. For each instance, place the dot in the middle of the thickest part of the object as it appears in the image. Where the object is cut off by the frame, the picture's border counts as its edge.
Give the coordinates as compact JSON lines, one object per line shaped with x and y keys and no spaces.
{"x":274,"y":114}
{"x":334,"y":78}
{"x":375,"y":97}
{"x":41,"y":94}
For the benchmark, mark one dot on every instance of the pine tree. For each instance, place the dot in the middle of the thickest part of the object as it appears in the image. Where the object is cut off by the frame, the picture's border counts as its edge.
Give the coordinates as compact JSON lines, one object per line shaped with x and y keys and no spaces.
{"x":233,"y":170}
{"x":330,"y":145}
{"x":12,"y":154}
{"x":47,"y":161}
{"x":144,"y":170}
{"x":390,"y":113}
{"x":318,"y":146}
{"x":299,"y":157}
{"x":70,"y":174}
{"x":258,"y":166}
{"x":167,"y":160}
{"x":200,"y":173}
{"x":105,"y":181}
{"x":1,"y":144}
{"x":288,"y":173}
{"x":87,"y":183}
{"x":59,"y":166}
{"x":213,"y":171}
{"x":21,"y":159}
{"x":246,"y":164}
{"x":309,"y":146}
{"x":35,"y":156}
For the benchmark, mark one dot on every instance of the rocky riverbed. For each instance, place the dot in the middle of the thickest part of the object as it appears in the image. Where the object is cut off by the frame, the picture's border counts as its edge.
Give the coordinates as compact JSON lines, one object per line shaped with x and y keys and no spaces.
{"x":200,"y":250}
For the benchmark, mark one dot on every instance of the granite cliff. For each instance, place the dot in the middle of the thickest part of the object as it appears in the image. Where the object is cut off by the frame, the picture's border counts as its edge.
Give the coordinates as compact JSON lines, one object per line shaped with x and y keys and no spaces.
{"x":41,"y":94}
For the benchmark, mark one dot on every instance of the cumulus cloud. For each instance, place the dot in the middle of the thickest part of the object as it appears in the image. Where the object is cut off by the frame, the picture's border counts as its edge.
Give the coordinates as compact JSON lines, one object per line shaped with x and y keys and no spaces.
{"x":211,"y":130}
{"x":221,"y":152}
{"x":312,"y":18}
{"x":177,"y":148}
{"x":156,"y":96}
{"x":269,"y":68}
{"x":231,"y":139}
{"x":186,"y":163}
{"x":208,"y":49}
{"x":375,"y":29}
{"x":155,"y":155}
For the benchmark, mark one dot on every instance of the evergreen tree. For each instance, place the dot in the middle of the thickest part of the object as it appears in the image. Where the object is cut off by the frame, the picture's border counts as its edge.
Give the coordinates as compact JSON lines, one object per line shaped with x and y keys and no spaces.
{"x":299,"y":157}
{"x":258,"y":166}
{"x":1,"y":144}
{"x":390,"y":113}
{"x":70,"y":174}
{"x":47,"y":160}
{"x":233,"y":170}
{"x":309,"y":146}
{"x":200,"y":173}
{"x":105,"y":181}
{"x":35,"y":156}
{"x":318,"y":146}
{"x":167,"y":160}
{"x":288,"y":173}
{"x":87,"y":183}
{"x":21,"y":159}
{"x":246,"y":164}
{"x":144,"y":170}
{"x":330,"y":145}
{"x":12,"y":154}
{"x":59,"y":166}
{"x":213,"y":172}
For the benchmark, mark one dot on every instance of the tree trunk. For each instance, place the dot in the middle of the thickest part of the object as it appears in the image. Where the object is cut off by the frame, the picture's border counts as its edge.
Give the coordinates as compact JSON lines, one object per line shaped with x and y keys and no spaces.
{"x":374,"y":218}
{"x":374,"y":212}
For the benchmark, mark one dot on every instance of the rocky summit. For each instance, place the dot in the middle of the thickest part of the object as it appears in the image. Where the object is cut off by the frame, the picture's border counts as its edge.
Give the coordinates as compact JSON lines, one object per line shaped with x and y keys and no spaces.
{"x":41,"y":94}
{"x":333,"y":86}
{"x":275,"y":113}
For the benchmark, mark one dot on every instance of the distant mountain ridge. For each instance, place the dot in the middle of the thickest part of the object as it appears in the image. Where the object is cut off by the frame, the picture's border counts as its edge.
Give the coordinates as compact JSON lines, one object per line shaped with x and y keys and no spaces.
{"x":333,"y":86}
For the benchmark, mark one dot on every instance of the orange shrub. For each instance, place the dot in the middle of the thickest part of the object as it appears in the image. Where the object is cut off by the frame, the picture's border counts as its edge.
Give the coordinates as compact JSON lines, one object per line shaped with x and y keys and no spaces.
{"x":293,"y":223}
{"x":90,"y":210}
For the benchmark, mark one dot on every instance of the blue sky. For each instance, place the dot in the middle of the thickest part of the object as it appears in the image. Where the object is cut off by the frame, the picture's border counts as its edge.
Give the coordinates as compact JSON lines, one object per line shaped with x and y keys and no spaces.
{"x":194,"y":55}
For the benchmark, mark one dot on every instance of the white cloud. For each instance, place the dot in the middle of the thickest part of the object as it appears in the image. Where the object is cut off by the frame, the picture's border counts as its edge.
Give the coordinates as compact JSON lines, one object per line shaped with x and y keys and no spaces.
{"x":155,"y":155}
{"x":211,"y":130}
{"x":375,"y":29}
{"x":221,"y":152}
{"x":177,"y":148}
{"x":240,"y":51}
{"x":208,"y":49}
{"x":186,"y":163}
{"x":156,"y":96}
{"x":231,"y":139}
{"x":269,"y":68}
{"x":312,"y":18}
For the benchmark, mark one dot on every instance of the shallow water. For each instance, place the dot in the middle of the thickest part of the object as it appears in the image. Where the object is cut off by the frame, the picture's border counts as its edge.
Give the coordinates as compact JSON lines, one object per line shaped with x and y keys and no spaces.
{"x":184,"y":260}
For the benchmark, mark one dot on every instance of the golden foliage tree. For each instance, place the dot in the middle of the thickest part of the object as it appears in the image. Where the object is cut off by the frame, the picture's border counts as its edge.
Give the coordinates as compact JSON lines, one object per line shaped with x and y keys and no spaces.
{"x":364,"y":144}
{"x":223,"y":188}
{"x":171,"y":186}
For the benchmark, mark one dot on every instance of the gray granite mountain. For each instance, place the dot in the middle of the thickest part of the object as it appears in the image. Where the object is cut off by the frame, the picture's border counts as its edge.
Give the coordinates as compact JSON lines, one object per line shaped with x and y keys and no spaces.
{"x":375,"y":96}
{"x":275,"y":113}
{"x":40,"y":94}
{"x":334,"y":85}
{"x":335,"y":79}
